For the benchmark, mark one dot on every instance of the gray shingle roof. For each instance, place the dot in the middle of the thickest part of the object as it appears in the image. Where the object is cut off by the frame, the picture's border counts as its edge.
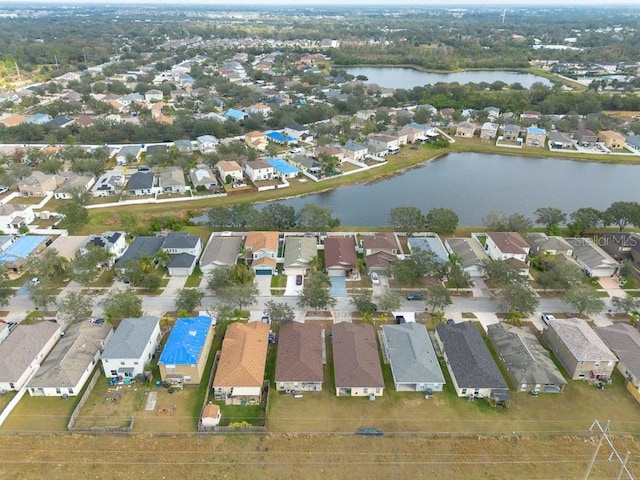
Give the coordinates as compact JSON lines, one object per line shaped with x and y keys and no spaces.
{"x":468,"y":250}
{"x":589,"y":253}
{"x":581,"y":340}
{"x":130,"y":338}
{"x":141,"y":181}
{"x":221,"y":251}
{"x":299,"y":353}
{"x":142,"y":245}
{"x":355,"y":356}
{"x":21,"y":347}
{"x":299,"y":251}
{"x":411,"y":354}
{"x":71,"y":356}
{"x":527,"y":361}
{"x":624,"y":340}
{"x":180,"y":240}
{"x":469,"y":358}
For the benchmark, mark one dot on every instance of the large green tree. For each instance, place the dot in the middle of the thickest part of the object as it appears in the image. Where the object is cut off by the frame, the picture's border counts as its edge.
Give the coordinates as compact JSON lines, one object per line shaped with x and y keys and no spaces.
{"x":316,"y":218}
{"x":406,"y":219}
{"x":85,"y":268}
{"x":441,"y":220}
{"x":120,"y":303}
{"x":278,"y":312}
{"x":187,"y":299}
{"x":437,"y":297}
{"x":315,"y":293}
{"x":623,"y":214}
{"x":6,"y":290}
{"x":550,"y":217}
{"x":74,"y":307}
{"x":518,"y":298}
{"x":75,"y":217}
{"x":584,"y":300}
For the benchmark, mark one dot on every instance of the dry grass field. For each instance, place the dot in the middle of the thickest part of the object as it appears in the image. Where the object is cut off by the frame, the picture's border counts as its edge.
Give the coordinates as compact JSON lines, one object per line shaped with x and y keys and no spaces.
{"x":305,"y":456}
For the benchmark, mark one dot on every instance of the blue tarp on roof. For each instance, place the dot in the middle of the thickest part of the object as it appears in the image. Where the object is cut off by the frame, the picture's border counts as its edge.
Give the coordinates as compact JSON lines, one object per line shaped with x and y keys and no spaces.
{"x":22,"y":248}
{"x":186,"y":340}
{"x":235,"y":114}
{"x":282,"y":167}
{"x":280,"y":137}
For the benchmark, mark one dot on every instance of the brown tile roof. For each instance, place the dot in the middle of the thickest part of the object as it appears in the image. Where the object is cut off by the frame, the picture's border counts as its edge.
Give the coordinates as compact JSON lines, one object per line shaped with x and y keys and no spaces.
{"x":243,"y":356}
{"x":355,"y":356}
{"x":262,"y":241}
{"x":509,"y":242}
{"x":340,"y":252}
{"x":13,"y":120}
{"x":211,"y":410}
{"x":299,"y":353}
{"x":380,"y":241}
{"x":229,"y":165}
{"x":379,"y":259}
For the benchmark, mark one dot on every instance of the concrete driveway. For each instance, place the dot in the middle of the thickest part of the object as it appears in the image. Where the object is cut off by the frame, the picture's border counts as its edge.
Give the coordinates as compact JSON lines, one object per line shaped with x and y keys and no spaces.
{"x":293,"y":290}
{"x":263,"y":282}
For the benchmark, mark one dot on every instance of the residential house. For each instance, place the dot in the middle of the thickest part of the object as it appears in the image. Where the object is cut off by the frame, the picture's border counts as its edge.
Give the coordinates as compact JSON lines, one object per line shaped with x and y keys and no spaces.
{"x":621,"y":246}
{"x":354,"y":151}
{"x":207,"y":143}
{"x":356,"y":360}
{"x":202,"y":176}
{"x":39,"y":184}
{"x":5,"y":330}
{"x":128,"y":154}
{"x":230,"y":169}
{"x":531,"y":116}
{"x":184,"y":356}
{"x":536,"y":137}
{"x":280,"y":138}
{"x":38,"y":119}
{"x":488,"y":131}
{"x":234,"y":114}
{"x":184,"y":251}
{"x":23,"y":351}
{"x":592,"y":259}
{"x":301,"y":357}
{"x":299,"y":252}
{"x":429,"y":244}
{"x":492,"y":112}
{"x":61,"y":121}
{"x":73,"y":183}
{"x":17,"y":255}
{"x":340,"y":257}
{"x":469,"y":362}
{"x":239,"y":374}
{"x":184,"y":146}
{"x":67,"y":246}
{"x":415,"y":132}
{"x":141,"y":246}
{"x":527,"y":363}
{"x":543,"y":244}
{"x":108,"y":184}
{"x":14,"y":216}
{"x":296,"y":131}
{"x":469,"y":252}
{"x":71,"y":361}
{"x":259,"y":109}
{"x":171,"y":180}
{"x":307,"y":164}
{"x":283,"y":169}
{"x":624,"y":341}
{"x":560,"y":140}
{"x":380,"y":250}
{"x":142,"y":183}
{"x":585,"y":137}
{"x":511,"y":133}
{"x":506,"y":246}
{"x":632,"y":142}
{"x":612,"y":140}
{"x":385,"y":143}
{"x":256,"y":140}
{"x":465,"y":129}
{"x":414,"y":364}
{"x":114,"y":243}
{"x":331,"y":151}
{"x":579,"y":349}
{"x":259,"y":170}
{"x":220,"y":252}
{"x":153,"y":95}
{"x":131,"y":347}
{"x":262,"y":252}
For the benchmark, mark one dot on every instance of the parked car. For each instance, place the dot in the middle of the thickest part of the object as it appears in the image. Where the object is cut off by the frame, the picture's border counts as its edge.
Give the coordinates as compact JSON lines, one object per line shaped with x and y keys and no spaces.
{"x":298,"y":279}
{"x":35,"y":281}
{"x":415,"y":296}
{"x":375,"y":279}
{"x":547,"y":318}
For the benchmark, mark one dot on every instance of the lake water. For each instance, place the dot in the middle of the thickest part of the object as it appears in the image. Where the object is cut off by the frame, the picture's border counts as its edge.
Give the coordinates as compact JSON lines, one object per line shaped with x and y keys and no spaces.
{"x":474,"y":185}
{"x":407,"y":78}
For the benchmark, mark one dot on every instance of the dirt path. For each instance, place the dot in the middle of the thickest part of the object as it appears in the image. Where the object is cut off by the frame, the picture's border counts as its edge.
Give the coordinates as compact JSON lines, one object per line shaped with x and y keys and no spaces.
{"x":304,"y":456}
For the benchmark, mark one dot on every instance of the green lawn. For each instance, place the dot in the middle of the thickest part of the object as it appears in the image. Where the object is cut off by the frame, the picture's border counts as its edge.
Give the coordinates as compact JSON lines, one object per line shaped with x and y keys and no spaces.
{"x":40,"y":414}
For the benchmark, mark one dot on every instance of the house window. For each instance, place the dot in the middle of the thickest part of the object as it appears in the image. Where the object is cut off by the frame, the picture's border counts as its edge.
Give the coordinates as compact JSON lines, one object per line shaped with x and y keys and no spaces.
{"x":58,"y":391}
{"x":135,"y":363}
{"x":365,"y":390}
{"x":377,"y":390}
{"x":596,"y":363}
{"x":187,"y":378}
{"x":12,"y":386}
{"x":70,"y":391}
{"x":463,"y":391}
{"x":121,"y":363}
{"x":114,"y":373}
{"x":476,"y":392}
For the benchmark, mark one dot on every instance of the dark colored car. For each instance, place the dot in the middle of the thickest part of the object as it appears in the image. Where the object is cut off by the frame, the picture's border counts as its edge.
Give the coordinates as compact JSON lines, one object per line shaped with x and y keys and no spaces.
{"x":298,"y":279}
{"x":415,"y":296}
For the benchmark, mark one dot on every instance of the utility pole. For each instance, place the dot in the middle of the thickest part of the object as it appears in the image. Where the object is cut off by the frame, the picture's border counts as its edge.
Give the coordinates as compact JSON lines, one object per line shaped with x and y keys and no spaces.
{"x":605,"y":434}
{"x":18,"y":71}
{"x":504,"y":14}
{"x":597,"y":450}
{"x":56,"y":59}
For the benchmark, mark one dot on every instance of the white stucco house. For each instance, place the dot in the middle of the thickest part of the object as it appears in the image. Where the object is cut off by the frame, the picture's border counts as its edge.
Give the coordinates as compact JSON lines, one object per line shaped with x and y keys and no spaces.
{"x":131,"y":347}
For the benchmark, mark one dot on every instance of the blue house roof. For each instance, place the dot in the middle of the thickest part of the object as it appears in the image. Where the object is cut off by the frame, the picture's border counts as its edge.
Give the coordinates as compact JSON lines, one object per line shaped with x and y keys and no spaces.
{"x":279,"y":137}
{"x":282,"y":166}
{"x":186,"y":341}
{"x":235,"y":114}
{"x":433,"y":244}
